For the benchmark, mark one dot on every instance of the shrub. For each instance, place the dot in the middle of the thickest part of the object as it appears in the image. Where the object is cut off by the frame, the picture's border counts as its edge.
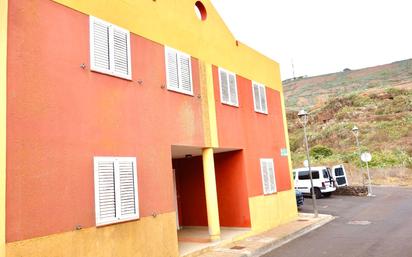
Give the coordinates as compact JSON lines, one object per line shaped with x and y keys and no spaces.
{"x":320,"y":151}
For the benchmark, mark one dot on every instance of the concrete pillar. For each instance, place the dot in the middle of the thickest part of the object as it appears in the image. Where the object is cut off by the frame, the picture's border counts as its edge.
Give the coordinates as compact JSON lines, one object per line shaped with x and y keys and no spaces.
{"x":211,"y":193}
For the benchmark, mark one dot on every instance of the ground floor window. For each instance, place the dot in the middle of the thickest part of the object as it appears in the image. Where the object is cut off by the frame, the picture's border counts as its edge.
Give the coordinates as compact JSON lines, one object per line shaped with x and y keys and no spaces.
{"x":267,"y":170}
{"x":116,"y":197}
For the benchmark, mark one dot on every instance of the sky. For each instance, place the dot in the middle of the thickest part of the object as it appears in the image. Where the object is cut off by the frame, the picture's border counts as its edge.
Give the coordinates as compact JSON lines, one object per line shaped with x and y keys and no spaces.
{"x":322,"y":36}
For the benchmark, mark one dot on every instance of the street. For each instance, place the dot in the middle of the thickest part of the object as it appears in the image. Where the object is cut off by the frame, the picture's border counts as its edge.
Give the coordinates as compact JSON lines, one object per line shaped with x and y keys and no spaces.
{"x":380,"y":226}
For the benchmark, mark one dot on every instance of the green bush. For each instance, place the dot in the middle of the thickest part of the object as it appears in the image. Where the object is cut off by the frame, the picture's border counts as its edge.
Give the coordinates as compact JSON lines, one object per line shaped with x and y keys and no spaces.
{"x":320,"y":151}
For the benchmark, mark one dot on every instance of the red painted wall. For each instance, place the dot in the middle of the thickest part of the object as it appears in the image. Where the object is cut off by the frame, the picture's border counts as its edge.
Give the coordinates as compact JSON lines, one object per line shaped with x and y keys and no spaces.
{"x":60,"y":116}
{"x":191,"y":191}
{"x":260,"y":135}
{"x":231,"y":190}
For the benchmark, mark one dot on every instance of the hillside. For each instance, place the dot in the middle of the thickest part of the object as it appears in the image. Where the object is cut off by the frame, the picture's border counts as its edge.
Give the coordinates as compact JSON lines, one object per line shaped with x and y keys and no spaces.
{"x":314,"y":91}
{"x":381,"y":108}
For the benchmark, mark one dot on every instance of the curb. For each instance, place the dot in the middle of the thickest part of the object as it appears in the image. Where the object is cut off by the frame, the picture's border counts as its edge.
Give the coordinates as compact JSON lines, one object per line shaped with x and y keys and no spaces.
{"x":286,"y":239}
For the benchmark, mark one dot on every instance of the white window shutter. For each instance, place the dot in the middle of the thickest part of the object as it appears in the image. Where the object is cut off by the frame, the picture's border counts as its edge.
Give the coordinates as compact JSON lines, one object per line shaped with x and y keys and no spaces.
{"x":263,"y":103}
{"x":256,"y":97}
{"x":233,"y":89}
{"x":109,"y":49}
{"x":185,"y":73}
{"x":105,"y":190}
{"x":265,"y":178}
{"x":224,"y":87}
{"x":116,"y":195}
{"x":271,"y":174}
{"x":128,"y":194}
{"x":100,"y":45}
{"x":172,"y":73}
{"x":121,"y":51}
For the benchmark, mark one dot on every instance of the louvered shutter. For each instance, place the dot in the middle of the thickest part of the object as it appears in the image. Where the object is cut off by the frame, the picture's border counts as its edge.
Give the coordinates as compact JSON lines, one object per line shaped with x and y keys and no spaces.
{"x":265,"y":177}
{"x":172,"y":69}
{"x":105,"y":190}
{"x":271,"y":174}
{"x":224,"y":87}
{"x":185,"y":73}
{"x":263,"y":103}
{"x":121,"y":51}
{"x":100,"y":45}
{"x":233,"y":89}
{"x":109,"y":49}
{"x":127,"y":188}
{"x":256,"y":97}
{"x":116,"y":195}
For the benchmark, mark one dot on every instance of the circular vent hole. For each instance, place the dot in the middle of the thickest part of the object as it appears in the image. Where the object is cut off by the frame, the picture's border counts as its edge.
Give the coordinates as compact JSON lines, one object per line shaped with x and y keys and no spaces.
{"x":200,"y":11}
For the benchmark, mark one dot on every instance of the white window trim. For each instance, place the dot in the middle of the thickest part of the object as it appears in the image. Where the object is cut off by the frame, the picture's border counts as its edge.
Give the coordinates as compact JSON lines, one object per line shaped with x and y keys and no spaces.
{"x":122,"y":218}
{"x":230,"y":102}
{"x":268,"y":161}
{"x":254,"y":97}
{"x":110,"y":71}
{"x":179,"y":53}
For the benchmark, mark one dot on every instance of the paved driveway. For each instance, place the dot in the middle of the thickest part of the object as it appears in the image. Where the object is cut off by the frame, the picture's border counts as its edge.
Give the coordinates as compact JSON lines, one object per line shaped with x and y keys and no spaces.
{"x":364,"y":227}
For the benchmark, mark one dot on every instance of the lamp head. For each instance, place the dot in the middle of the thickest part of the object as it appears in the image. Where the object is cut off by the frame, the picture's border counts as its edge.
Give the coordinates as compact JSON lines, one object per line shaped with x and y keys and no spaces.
{"x":302,"y":113}
{"x":303,"y":117}
{"x":355,"y":130}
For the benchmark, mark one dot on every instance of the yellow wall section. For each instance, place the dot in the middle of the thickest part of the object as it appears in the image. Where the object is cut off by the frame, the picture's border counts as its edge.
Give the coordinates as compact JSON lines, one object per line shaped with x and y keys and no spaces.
{"x":167,"y":21}
{"x":154,"y":237}
{"x":208,"y":104}
{"x":269,"y":211}
{"x":285,"y":127}
{"x":3,"y":105}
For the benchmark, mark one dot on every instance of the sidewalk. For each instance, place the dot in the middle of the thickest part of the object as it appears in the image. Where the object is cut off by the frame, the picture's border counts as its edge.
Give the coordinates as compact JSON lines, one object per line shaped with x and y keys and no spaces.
{"x":259,"y":245}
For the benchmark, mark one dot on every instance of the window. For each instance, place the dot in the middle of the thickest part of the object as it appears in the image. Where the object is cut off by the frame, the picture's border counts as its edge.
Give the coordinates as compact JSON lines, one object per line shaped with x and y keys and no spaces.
{"x":178,"y":71}
{"x":116,"y":196}
{"x":109,"y":49}
{"x":339,"y":172}
{"x":304,"y":175}
{"x":228,"y":87}
{"x":259,"y":97}
{"x":268,"y":176}
{"x":325,"y":174}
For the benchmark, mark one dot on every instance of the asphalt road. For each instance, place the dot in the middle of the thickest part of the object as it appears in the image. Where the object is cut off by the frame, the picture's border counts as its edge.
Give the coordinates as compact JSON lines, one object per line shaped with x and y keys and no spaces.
{"x":365,"y":227}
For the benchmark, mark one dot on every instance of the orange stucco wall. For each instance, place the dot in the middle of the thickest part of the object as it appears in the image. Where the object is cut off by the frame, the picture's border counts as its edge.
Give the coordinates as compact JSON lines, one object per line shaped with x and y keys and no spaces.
{"x":231,"y":190}
{"x":260,"y":135}
{"x":60,"y":116}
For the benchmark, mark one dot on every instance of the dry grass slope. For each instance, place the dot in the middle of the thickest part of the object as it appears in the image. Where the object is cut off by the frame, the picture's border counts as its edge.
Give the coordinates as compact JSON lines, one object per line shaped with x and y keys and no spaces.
{"x":381,"y":108}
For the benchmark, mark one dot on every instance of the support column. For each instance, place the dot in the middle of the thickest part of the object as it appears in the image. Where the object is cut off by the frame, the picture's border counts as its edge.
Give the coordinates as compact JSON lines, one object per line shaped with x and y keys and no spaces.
{"x":211,"y":194}
{"x":3,"y":105}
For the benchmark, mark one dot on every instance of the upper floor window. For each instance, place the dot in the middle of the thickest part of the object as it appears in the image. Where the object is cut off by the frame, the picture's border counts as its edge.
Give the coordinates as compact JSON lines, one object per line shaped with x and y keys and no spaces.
{"x":267,"y":170}
{"x":228,"y":87}
{"x":259,"y":98}
{"x":178,"y":71}
{"x":109,"y":49}
{"x":116,"y":197}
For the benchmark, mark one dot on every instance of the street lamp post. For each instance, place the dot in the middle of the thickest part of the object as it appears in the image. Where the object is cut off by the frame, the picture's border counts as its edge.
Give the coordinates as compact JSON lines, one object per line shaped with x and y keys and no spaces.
{"x":303,"y":119}
{"x":355,"y":131}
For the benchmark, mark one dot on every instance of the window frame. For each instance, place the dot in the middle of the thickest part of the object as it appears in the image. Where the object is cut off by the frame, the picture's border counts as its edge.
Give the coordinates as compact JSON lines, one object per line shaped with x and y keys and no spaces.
{"x":120,"y":218}
{"x":269,"y":161}
{"x":178,"y":54}
{"x":259,"y":85}
{"x":111,"y":70}
{"x":229,"y":102}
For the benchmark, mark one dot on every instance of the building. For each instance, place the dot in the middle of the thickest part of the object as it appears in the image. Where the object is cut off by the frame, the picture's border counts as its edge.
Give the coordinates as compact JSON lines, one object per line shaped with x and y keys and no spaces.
{"x":127,"y":120}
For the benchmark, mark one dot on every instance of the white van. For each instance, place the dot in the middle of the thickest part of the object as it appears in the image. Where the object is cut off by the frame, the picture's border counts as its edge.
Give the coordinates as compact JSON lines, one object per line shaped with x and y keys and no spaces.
{"x":339,"y":175}
{"x":323,"y":182}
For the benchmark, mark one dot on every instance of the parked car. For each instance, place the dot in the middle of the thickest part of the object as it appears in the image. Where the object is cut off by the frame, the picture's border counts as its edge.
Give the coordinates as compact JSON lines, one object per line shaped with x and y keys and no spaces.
{"x":323,"y":182}
{"x":299,"y":198}
{"x":339,"y":175}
